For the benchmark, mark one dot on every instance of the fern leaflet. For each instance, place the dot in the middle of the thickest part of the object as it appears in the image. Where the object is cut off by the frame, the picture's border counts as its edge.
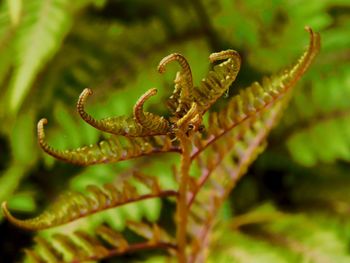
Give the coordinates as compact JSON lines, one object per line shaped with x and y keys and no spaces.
{"x":82,"y":247}
{"x":74,"y":205}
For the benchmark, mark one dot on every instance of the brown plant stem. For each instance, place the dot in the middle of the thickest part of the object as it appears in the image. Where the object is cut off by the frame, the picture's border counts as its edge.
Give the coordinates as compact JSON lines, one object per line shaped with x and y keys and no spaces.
{"x":182,"y":209}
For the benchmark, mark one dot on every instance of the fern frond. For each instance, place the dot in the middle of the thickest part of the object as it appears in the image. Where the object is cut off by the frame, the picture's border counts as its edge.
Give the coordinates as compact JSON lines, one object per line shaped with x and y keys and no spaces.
{"x":15,"y":9}
{"x":259,"y":98}
{"x":106,"y":242}
{"x":44,"y":26}
{"x":109,"y":150}
{"x":244,"y":142}
{"x":307,"y":237}
{"x":282,"y":238}
{"x":320,"y":108}
{"x":180,"y":101}
{"x":75,"y":205}
{"x":218,"y":80}
{"x":142,"y":124}
{"x":235,"y":151}
{"x":156,"y":125}
{"x":210,"y":89}
{"x":245,"y":139}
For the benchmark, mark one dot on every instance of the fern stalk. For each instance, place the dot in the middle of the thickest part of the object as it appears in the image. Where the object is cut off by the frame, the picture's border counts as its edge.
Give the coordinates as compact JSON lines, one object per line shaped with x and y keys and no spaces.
{"x":182,"y":209}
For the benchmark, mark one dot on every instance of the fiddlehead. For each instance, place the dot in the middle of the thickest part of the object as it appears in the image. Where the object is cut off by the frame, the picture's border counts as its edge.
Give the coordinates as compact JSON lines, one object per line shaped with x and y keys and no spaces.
{"x":180,"y":101}
{"x":120,"y":125}
{"x":218,"y":80}
{"x":152,"y":123}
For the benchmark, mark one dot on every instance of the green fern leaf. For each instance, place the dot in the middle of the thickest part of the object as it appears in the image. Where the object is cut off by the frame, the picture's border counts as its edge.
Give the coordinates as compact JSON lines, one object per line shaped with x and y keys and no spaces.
{"x":15,"y":8}
{"x":74,"y":205}
{"x":82,"y":247}
{"x":7,"y":33}
{"x":308,"y":238}
{"x":279,"y":237}
{"x":321,"y":108}
{"x":41,"y":32}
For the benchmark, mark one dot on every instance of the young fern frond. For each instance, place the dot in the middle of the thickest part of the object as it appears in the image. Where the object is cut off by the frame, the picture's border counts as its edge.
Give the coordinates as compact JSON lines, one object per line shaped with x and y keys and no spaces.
{"x":180,"y":101}
{"x":109,"y":150}
{"x":258,"y":98}
{"x":218,"y":80}
{"x":150,"y":122}
{"x":245,"y":142}
{"x":144,"y":125}
{"x":75,"y":205}
{"x":141,"y":125}
{"x":106,"y":242}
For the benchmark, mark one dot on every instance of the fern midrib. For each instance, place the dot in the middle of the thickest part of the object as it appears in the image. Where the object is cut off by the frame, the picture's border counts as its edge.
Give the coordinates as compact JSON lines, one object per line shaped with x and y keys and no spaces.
{"x":204,"y":177}
{"x":182,"y":209}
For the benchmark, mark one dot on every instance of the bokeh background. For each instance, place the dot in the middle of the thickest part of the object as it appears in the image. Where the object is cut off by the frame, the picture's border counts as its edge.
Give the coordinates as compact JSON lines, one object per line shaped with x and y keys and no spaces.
{"x":291,"y":206}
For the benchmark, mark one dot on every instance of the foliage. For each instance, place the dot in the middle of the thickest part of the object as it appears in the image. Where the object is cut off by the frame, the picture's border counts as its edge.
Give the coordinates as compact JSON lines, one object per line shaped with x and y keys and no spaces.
{"x":300,"y":171}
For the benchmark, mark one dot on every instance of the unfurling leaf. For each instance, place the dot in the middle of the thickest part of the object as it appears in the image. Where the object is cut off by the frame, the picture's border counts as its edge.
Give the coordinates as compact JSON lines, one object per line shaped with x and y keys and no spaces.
{"x":109,"y":150}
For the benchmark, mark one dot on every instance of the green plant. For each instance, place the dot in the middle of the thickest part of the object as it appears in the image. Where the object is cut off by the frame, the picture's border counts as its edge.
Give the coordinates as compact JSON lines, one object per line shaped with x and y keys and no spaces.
{"x":215,"y":152}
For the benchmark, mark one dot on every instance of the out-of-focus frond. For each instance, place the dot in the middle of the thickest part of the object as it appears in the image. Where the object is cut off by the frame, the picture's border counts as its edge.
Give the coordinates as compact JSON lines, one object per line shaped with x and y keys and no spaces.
{"x":42,"y":30}
{"x":106,"y":242}
{"x":319,"y":119}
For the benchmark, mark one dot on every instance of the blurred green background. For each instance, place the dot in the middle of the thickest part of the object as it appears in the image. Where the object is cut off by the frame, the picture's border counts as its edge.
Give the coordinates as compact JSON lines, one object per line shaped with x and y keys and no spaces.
{"x":291,"y":206}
